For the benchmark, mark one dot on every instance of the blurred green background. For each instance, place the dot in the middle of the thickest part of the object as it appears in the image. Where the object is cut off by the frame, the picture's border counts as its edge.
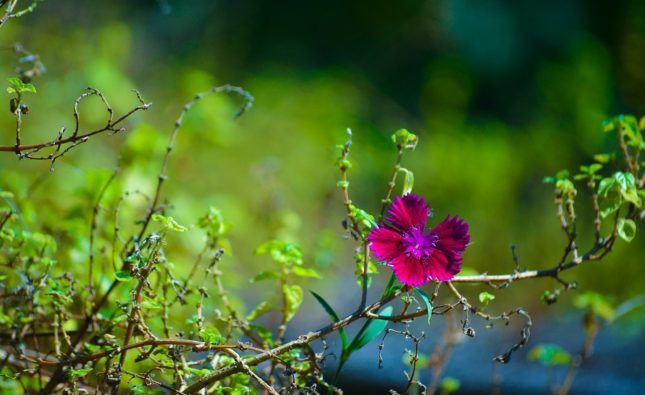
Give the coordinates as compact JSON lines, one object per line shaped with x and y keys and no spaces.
{"x":501,"y":93}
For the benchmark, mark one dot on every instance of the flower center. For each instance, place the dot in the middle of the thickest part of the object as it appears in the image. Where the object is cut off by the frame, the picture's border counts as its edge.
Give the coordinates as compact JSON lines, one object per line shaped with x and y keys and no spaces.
{"x":417,"y":244}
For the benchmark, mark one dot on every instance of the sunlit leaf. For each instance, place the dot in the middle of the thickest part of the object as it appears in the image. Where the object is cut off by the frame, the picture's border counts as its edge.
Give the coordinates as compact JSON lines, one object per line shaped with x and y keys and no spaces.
{"x":305,"y":272}
{"x":261,"y":309}
{"x":293,"y":299}
{"x":626,"y":229}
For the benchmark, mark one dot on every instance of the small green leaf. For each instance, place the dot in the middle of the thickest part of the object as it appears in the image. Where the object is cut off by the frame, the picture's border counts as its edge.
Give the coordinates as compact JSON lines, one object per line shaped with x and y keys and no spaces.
{"x":626,"y":229}
{"x":305,"y":272}
{"x":363,"y":216}
{"x":596,"y":303}
{"x":281,"y":252}
{"x":603,"y":158}
{"x":334,"y":317}
{"x":610,"y":197}
{"x":6,"y":195}
{"x":150,"y":303}
{"x":426,"y":301}
{"x":344,"y":163}
{"x":168,"y":222}
{"x":213,"y":223}
{"x":19,"y":87}
{"x":485,"y":297}
{"x":261,"y":309}
{"x":123,"y":276}
{"x":293,"y":298}
{"x":562,"y":175}
{"x":549,"y":180}
{"x":449,"y":385}
{"x":265,"y":276}
{"x":549,"y":355}
{"x":404,"y":139}
{"x":408,"y":181}
{"x":210,"y":335}
{"x":76,"y":373}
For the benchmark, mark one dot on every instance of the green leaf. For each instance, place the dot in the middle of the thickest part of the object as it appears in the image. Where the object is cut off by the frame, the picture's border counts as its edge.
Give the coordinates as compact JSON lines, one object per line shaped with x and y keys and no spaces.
{"x":213,"y":223}
{"x":627,"y":123}
{"x":123,"y":276}
{"x":628,"y":306}
{"x":305,"y":272}
{"x":150,"y":303}
{"x":549,"y":180}
{"x":363,"y":216}
{"x":392,"y":286}
{"x":408,"y":181}
{"x":485,"y":297}
{"x":371,"y":331}
{"x":426,"y":301}
{"x":404,"y":139}
{"x":603,"y":158}
{"x":169,"y":223}
{"x":293,"y":298}
{"x":562,"y":174}
{"x":449,"y":385}
{"x":334,"y":317}
{"x":210,"y":335}
{"x":17,"y":86}
{"x":6,"y":195}
{"x":626,"y":229}
{"x":76,"y":373}
{"x":266,"y":276}
{"x":549,"y":355}
{"x":344,"y":163}
{"x":281,"y":252}
{"x":596,"y":303}
{"x":610,"y":197}
{"x":261,"y":309}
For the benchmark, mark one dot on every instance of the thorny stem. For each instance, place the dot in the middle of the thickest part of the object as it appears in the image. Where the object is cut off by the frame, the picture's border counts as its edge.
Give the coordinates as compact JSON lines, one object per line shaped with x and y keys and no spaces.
{"x":154,"y":205}
{"x":392,"y":182}
{"x":592,"y":332}
{"x":26,"y":150}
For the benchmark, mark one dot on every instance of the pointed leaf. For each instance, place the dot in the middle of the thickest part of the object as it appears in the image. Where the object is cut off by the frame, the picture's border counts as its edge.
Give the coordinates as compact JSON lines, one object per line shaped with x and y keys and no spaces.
{"x":372,"y":330}
{"x":628,"y":306}
{"x":427,"y":302}
{"x":626,"y":229}
{"x":334,"y":317}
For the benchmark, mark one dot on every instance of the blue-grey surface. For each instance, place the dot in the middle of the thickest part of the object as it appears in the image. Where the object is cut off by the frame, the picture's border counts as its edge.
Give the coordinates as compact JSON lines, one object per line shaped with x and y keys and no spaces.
{"x":616,"y":366}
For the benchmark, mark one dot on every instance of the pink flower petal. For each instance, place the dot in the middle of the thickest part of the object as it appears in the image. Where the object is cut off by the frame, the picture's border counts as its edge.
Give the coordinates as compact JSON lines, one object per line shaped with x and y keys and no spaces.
{"x":385,"y":243}
{"x":410,"y":271}
{"x":409,"y":211}
{"x":442,"y":266}
{"x":452,"y":239}
{"x":452,"y":235}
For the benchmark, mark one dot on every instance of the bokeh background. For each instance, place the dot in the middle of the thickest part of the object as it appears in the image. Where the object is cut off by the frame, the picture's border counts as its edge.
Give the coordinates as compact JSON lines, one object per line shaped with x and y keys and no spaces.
{"x":501,"y":93}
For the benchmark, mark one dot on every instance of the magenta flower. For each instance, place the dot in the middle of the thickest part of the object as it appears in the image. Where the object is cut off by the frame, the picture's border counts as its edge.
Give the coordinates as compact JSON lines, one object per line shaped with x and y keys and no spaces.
{"x":417,"y":255}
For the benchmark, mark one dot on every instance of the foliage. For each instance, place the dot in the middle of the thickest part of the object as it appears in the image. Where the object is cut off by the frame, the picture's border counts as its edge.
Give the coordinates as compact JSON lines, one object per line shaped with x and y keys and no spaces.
{"x":114,"y":296}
